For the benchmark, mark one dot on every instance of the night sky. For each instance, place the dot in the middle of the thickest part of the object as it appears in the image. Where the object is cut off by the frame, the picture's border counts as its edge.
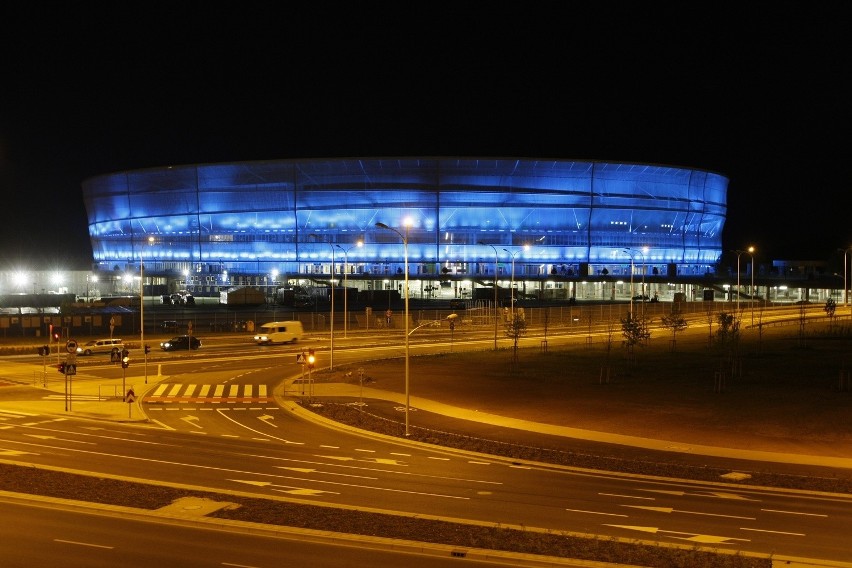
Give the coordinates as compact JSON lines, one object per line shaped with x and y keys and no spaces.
{"x":761,"y":96}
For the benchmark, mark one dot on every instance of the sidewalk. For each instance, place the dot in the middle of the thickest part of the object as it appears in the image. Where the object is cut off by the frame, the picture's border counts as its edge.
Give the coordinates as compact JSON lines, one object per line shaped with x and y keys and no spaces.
{"x":90,"y":397}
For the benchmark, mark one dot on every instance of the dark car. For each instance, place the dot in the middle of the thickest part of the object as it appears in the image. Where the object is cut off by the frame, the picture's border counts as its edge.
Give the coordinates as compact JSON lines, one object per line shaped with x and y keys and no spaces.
{"x":185,"y":342}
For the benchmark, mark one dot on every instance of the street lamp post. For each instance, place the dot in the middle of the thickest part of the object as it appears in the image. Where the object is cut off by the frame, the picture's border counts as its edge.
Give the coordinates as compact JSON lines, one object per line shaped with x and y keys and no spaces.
{"x":643,"y":252}
{"x":631,"y":252}
{"x":142,"y":310}
{"x":404,"y":237}
{"x":750,"y":250}
{"x":345,"y":281}
{"x":751,"y":295}
{"x":331,"y":315}
{"x":495,"y":292}
{"x":512,"y":289}
{"x":845,"y":288}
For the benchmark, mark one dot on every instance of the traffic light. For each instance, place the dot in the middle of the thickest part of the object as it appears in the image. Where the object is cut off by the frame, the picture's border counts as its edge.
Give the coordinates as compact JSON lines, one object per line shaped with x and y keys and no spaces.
{"x":311,"y":359}
{"x":61,"y":368}
{"x":147,"y":349}
{"x":125,"y":358}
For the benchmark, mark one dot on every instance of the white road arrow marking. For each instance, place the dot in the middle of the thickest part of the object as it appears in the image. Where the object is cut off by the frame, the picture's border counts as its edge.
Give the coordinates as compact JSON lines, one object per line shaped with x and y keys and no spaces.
{"x":384,"y":461}
{"x":192,"y":421}
{"x":14,"y":453}
{"x":285,"y":488}
{"x":671,"y":510}
{"x":718,"y":494}
{"x":307,"y":470}
{"x":693,"y":537}
{"x":46,"y":437}
{"x":267,"y":419}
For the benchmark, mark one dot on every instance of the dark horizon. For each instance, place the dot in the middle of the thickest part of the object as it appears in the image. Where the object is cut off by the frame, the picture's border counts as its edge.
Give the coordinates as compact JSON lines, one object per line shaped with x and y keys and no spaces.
{"x":756,"y":95}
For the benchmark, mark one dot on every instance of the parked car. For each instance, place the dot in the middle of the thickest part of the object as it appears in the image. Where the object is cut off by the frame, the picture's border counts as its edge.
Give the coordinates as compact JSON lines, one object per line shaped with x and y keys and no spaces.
{"x":100,"y":346}
{"x":185,"y":342}
{"x":182,"y":298}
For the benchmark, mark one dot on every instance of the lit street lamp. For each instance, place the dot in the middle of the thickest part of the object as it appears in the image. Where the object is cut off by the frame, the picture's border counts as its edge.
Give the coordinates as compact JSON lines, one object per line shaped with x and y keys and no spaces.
{"x":142,"y":310}
{"x":750,"y":250}
{"x":407,"y":223}
{"x":495,"y":292}
{"x":845,"y":287}
{"x":512,"y":290}
{"x":331,"y":289}
{"x":751,"y":295}
{"x":345,"y":289}
{"x":633,"y":252}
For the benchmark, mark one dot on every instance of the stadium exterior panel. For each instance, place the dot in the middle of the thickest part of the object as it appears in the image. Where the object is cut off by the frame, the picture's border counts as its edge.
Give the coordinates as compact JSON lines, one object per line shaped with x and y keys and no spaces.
{"x":453,"y":219}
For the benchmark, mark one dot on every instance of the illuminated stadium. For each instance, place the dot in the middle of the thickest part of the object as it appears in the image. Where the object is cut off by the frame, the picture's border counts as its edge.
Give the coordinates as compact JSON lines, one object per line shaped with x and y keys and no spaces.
{"x":539,"y":224}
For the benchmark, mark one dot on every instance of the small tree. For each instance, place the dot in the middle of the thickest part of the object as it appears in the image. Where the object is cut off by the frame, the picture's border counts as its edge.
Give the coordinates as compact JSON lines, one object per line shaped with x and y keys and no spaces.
{"x":830,"y":308}
{"x":710,"y":320}
{"x":728,"y":334}
{"x":675,"y":322}
{"x":516,"y":328}
{"x":635,"y":330}
{"x":728,"y":338}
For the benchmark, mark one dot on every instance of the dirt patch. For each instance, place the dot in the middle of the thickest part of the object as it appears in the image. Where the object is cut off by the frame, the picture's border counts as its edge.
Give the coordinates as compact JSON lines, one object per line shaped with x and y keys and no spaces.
{"x":780,"y":393}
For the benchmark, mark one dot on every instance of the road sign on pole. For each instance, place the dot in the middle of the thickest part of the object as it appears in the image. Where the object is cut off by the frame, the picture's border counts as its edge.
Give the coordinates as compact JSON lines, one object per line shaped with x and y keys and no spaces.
{"x":130,"y":398}
{"x":71,"y":346}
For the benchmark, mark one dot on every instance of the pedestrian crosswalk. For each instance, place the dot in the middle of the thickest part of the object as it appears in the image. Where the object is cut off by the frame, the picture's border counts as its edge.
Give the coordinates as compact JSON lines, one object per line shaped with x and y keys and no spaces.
{"x":215,"y":394}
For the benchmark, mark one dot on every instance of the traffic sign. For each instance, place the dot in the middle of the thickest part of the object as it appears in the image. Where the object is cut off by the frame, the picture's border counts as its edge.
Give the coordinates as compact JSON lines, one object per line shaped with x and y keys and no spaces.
{"x":300,"y":358}
{"x":71,"y":346}
{"x":130,"y":396}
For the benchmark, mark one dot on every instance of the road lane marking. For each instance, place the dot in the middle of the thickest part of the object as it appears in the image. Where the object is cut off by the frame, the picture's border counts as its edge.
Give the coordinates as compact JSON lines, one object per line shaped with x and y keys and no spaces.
{"x":596,"y":513}
{"x":626,"y":496}
{"x":794,"y":513}
{"x":692,"y":537}
{"x":267,"y":419}
{"x":671,"y":510}
{"x":226,"y":417}
{"x":89,"y":544}
{"x":715,"y":494}
{"x":773,"y":532}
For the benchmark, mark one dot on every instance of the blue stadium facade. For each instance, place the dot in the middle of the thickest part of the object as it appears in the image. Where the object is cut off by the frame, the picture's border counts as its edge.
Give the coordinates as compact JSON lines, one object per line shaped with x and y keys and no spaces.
{"x":209,"y":226}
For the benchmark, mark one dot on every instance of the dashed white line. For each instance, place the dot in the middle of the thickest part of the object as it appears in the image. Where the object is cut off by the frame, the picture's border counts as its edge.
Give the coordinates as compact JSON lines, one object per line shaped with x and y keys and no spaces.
{"x":794,"y":513}
{"x":596,"y":513}
{"x":83,"y":543}
{"x":773,"y":532}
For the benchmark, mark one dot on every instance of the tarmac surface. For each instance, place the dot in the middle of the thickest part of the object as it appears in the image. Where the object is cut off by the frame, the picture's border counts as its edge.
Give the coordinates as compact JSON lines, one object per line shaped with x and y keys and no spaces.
{"x":102,"y":400}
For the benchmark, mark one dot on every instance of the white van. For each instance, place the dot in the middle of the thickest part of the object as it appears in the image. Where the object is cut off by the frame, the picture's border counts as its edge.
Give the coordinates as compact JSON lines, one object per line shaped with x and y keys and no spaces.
{"x":279,"y":332}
